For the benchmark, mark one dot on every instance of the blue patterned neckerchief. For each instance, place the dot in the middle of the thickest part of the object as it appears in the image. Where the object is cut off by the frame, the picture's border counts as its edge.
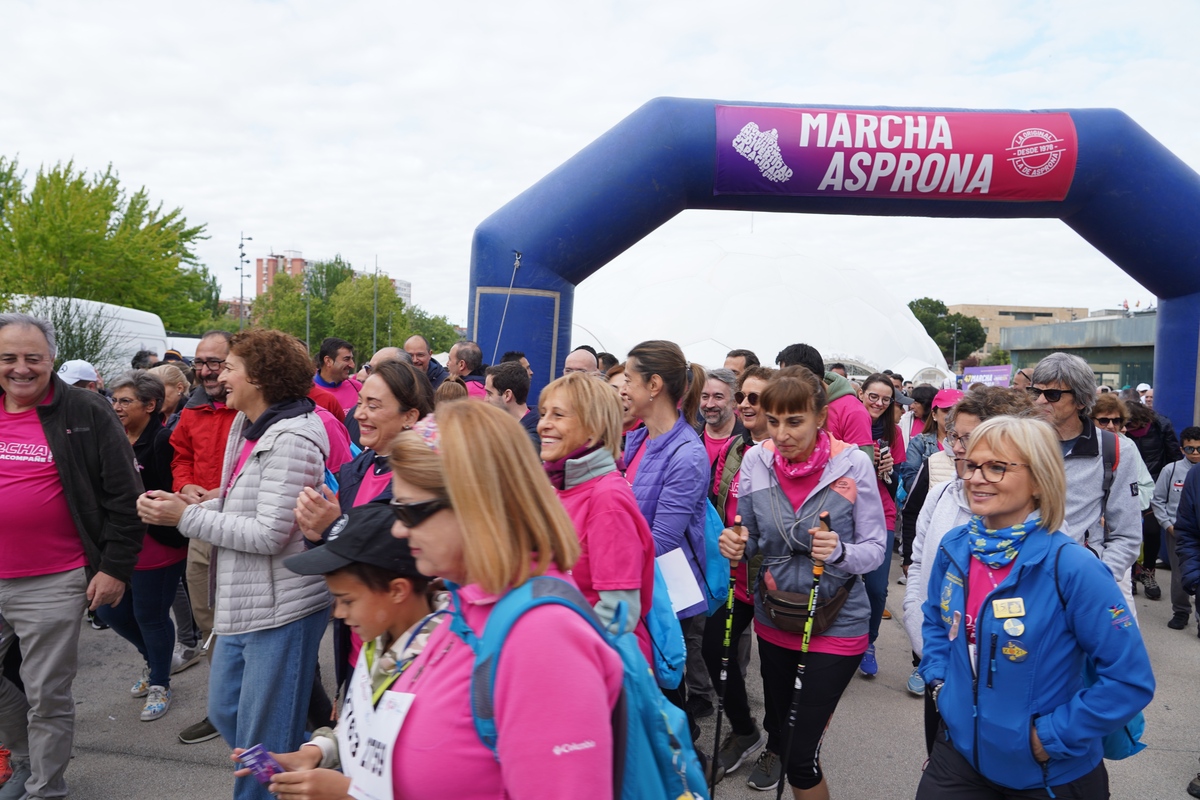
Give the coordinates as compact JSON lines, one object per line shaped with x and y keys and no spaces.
{"x":998,"y":548}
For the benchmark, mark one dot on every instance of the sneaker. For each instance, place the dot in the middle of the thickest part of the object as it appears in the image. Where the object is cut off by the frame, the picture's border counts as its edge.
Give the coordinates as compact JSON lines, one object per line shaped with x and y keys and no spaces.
{"x":202,"y":731}
{"x":916,"y":684}
{"x":6,"y":770}
{"x":158,"y":700}
{"x":869,"y":667}
{"x":887,"y":614}
{"x":1178,"y":622}
{"x":142,"y":687}
{"x":1153,"y":592}
{"x":14,"y":787}
{"x":707,"y":767}
{"x":1194,"y":787}
{"x":902,"y":580}
{"x":767,"y":772}
{"x":185,"y":657}
{"x":96,"y":623}
{"x":699,"y":706}
{"x":735,"y":750}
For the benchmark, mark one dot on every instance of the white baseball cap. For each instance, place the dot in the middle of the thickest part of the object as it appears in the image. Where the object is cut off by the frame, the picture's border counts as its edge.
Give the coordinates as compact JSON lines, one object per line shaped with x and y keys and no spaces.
{"x":77,"y":370}
{"x":1143,"y":387}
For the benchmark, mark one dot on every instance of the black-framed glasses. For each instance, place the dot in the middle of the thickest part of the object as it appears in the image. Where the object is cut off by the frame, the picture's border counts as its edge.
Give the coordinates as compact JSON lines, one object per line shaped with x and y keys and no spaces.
{"x":874,"y":399}
{"x":742,"y":397}
{"x":993,"y":471}
{"x":1105,"y":422}
{"x":1051,"y":395}
{"x":1190,"y":449}
{"x":413,"y":514}
{"x":214,"y":364}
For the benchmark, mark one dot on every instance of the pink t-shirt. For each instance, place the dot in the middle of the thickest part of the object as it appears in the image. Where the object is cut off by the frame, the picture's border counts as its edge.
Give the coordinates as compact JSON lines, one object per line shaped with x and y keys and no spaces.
{"x":339,"y":440}
{"x":631,"y":468}
{"x":247,"y":446}
{"x":556,"y":685}
{"x":797,"y":491}
{"x":617,"y":548}
{"x":371,"y":486}
{"x":981,"y":580}
{"x":713,"y":446}
{"x":38,"y":536}
{"x":849,"y":421}
{"x":156,"y":555}
{"x":346,"y":392}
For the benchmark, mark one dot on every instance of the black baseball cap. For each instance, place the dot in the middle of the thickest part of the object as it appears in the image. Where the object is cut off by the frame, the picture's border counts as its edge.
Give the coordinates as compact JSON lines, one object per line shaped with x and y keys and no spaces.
{"x":363,"y":536}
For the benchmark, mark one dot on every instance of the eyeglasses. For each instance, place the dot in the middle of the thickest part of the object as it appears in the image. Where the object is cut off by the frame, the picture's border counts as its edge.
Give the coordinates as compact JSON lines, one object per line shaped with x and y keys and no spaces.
{"x":878,"y":399}
{"x":953,"y":440}
{"x":1051,"y":395}
{"x":1190,"y":450}
{"x":993,"y":471}
{"x":213,"y":364}
{"x":413,"y":514}
{"x":742,"y":397}
{"x":124,"y":402}
{"x":1105,"y":422}
{"x":367,"y":368}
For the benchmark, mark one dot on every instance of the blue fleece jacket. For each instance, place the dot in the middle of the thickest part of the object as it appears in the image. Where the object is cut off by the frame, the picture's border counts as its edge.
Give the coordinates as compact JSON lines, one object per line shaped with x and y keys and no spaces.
{"x":671,"y":487}
{"x":1031,"y":672}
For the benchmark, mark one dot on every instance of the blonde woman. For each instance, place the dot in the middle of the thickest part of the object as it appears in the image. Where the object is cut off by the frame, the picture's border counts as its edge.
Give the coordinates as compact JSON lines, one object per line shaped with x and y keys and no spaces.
{"x":474,"y":504}
{"x":177,"y":389}
{"x":1015,"y":610}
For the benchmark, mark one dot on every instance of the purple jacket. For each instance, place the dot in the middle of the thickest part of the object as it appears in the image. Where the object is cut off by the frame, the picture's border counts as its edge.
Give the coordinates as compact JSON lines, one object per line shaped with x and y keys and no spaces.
{"x":671,"y":487}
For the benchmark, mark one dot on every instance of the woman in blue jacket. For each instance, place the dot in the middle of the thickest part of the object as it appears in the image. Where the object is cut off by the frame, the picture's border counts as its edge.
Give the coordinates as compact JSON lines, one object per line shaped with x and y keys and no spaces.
{"x":1016,"y":610}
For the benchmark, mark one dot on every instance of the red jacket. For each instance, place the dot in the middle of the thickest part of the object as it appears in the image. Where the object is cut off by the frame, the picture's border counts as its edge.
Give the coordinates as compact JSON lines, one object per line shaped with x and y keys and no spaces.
{"x":199,"y":442}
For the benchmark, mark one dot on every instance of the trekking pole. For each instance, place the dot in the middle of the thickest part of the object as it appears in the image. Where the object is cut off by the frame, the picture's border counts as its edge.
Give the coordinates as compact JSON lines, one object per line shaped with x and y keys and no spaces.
{"x":818,"y":571}
{"x":712,"y":780}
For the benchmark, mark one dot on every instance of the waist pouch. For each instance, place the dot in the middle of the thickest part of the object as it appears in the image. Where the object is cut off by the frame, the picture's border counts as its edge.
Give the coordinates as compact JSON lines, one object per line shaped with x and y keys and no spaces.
{"x":789,"y":610}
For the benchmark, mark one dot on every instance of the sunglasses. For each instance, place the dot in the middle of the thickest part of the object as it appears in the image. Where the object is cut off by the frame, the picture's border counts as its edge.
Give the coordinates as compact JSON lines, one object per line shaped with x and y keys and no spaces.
{"x":1051,"y":395}
{"x":993,"y":471}
{"x":411,"y":515}
{"x":1190,"y":450}
{"x":1105,"y":422}
{"x":741,"y":397}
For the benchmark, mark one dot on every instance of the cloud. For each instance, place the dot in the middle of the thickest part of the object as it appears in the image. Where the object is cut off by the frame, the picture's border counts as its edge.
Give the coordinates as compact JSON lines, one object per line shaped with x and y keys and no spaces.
{"x":368,"y":129}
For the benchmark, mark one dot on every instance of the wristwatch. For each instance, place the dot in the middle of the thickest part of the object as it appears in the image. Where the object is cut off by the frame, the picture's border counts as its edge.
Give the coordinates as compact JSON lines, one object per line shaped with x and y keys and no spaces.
{"x":935,"y":689}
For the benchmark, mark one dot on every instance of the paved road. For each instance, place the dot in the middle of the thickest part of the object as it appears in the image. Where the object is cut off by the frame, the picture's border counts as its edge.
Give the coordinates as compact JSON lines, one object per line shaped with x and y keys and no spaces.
{"x":874,"y":748}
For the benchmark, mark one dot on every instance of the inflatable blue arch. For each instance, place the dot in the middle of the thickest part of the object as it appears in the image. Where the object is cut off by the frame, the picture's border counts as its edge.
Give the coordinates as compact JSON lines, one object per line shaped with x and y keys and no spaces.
{"x":1095,"y":169}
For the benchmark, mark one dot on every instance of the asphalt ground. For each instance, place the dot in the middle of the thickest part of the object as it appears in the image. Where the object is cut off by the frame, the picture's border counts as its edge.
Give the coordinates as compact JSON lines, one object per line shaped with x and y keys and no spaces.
{"x":874,"y":748}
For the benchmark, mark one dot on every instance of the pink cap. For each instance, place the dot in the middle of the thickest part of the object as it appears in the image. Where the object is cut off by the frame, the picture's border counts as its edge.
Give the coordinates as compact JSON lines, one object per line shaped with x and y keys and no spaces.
{"x":946,"y":398}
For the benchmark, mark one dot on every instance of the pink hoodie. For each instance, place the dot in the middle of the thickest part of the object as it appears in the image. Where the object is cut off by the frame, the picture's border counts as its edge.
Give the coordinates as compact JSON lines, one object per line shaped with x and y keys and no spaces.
{"x":556,"y":685}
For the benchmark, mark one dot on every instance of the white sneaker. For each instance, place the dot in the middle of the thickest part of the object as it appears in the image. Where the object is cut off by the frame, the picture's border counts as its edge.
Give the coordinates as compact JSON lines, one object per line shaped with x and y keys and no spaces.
{"x":185,"y":657}
{"x":158,"y":700}
{"x":142,"y":687}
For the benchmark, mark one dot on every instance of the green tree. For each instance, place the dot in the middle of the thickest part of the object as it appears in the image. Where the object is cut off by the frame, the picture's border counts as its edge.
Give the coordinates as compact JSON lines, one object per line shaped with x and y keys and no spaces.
{"x":282,"y":306}
{"x":84,"y":237}
{"x":940,"y":325}
{"x":353,"y":310}
{"x":997,"y":358}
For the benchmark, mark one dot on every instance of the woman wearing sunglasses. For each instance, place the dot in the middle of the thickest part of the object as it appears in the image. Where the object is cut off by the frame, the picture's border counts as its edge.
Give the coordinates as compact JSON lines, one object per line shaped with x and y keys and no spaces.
{"x":393,"y":397}
{"x":268,"y":619}
{"x":786,"y":484}
{"x":1158,"y":446}
{"x":475,"y":506}
{"x":1015,"y":612}
{"x":936,"y":508}
{"x":580,"y":430}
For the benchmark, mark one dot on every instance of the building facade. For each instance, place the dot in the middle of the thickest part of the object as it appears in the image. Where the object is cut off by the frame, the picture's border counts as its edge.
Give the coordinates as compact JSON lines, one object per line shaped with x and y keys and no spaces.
{"x":289,"y":262}
{"x":997,"y":318}
{"x":1119,"y":349}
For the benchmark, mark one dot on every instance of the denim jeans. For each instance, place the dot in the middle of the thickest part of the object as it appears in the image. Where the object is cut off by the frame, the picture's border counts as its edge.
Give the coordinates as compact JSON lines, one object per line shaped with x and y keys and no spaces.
{"x":143,"y":618}
{"x":876,"y":582}
{"x":259,"y":687}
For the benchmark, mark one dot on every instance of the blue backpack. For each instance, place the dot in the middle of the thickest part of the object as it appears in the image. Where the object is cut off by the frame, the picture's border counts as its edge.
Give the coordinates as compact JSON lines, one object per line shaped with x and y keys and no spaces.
{"x":714,"y":568}
{"x":653,"y":756}
{"x":666,"y":635}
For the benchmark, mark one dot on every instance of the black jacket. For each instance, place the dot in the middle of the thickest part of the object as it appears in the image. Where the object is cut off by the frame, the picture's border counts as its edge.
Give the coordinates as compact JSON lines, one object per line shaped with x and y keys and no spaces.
{"x":101,"y":484}
{"x":1160,"y":445}
{"x":152,"y":453}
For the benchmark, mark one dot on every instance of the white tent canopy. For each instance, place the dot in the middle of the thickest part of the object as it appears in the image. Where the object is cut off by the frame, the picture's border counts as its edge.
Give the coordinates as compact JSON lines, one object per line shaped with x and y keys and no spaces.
{"x":759,"y":292}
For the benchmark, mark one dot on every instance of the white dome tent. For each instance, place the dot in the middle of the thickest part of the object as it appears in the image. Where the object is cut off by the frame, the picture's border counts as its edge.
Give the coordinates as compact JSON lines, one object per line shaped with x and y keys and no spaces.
{"x":758,"y":292}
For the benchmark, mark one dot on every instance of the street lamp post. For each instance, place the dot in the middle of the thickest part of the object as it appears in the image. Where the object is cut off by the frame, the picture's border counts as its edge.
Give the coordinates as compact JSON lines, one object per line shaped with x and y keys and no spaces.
{"x":241,"y":268}
{"x":957,"y":328}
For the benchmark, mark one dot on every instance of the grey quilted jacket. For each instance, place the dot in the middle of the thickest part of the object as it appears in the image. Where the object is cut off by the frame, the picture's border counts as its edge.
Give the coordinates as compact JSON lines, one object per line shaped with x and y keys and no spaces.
{"x":253,"y":528}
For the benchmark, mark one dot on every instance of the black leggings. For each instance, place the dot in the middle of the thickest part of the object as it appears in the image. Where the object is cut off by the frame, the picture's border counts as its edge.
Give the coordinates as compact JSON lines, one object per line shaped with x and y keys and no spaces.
{"x":736,"y":704}
{"x":949,"y":776}
{"x":825,"y":678}
{"x":1151,"y":540}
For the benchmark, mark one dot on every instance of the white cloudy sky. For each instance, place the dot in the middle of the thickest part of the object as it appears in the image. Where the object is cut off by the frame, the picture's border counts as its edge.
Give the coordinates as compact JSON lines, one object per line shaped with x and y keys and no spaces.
{"x":393,"y":129}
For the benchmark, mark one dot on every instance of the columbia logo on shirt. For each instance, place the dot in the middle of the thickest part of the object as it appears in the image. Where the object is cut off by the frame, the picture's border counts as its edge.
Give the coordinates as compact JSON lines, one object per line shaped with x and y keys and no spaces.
{"x":561,"y":749}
